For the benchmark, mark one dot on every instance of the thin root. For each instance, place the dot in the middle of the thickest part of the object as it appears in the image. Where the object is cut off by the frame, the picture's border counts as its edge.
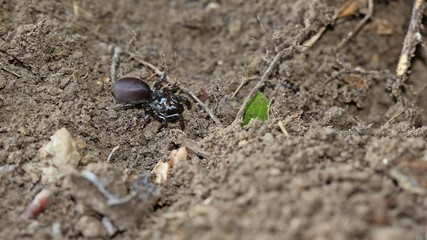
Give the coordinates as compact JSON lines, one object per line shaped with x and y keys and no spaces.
{"x":9,"y":71}
{"x":392,"y":118}
{"x":112,"y":152}
{"x":243,"y":83}
{"x":359,"y":25}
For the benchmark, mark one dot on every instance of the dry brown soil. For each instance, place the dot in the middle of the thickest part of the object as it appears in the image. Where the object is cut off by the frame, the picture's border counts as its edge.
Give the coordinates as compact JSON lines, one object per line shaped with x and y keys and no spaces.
{"x":352,"y":167}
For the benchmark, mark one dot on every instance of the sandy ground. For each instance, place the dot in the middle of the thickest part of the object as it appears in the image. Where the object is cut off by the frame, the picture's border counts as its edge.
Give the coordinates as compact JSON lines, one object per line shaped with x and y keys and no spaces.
{"x":352,"y":164}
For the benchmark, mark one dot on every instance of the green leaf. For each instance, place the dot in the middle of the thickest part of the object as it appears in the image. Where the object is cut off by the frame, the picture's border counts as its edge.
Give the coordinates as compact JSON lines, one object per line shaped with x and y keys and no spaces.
{"x":256,"y":108}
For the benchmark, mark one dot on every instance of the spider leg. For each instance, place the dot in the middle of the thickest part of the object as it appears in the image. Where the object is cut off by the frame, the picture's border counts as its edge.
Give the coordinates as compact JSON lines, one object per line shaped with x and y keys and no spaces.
{"x":182,"y":99}
{"x":187,"y":103}
{"x":174,"y":88}
{"x":165,"y":119}
{"x":158,"y":83}
{"x":145,"y":121}
{"x":126,"y":105}
{"x":160,"y":118}
{"x":162,"y":125}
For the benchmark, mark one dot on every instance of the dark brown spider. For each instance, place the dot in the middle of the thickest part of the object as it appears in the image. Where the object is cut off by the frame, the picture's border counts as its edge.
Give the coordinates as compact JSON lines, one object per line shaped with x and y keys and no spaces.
{"x":161,"y":102}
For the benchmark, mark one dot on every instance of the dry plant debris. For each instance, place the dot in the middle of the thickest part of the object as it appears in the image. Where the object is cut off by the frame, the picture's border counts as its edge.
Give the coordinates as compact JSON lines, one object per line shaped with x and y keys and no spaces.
{"x":412,"y":38}
{"x":359,"y":25}
{"x":348,"y":9}
{"x":162,"y":169}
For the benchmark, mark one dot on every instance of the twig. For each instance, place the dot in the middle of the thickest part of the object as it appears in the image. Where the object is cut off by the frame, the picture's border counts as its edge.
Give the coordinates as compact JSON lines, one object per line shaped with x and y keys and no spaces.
{"x":109,"y":226}
{"x":9,"y":71}
{"x":160,"y":73}
{"x":211,"y":114}
{"x":76,"y":8}
{"x":260,"y":24}
{"x":243,"y":83}
{"x":112,"y":152}
{"x":421,"y":89}
{"x":284,"y":52}
{"x":395,"y":116}
{"x":283,"y":128}
{"x":359,"y":25}
{"x":412,"y":38}
{"x":88,"y":175}
{"x":111,"y":198}
{"x":311,"y":41}
{"x":115,"y":62}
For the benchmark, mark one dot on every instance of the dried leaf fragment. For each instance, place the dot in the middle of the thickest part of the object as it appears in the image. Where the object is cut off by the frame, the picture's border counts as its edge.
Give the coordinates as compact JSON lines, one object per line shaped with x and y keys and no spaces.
{"x":177,"y":155}
{"x":349,"y":9}
{"x":162,"y":169}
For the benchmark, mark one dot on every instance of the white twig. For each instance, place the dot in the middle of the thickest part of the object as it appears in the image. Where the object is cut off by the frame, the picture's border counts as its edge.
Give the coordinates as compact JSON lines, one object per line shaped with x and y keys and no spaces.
{"x":283,"y":128}
{"x":114,"y":62}
{"x":112,"y":152}
{"x":412,"y":38}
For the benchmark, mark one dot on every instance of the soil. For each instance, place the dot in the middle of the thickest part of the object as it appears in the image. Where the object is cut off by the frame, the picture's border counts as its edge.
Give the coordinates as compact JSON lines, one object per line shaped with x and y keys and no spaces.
{"x":351,"y":166}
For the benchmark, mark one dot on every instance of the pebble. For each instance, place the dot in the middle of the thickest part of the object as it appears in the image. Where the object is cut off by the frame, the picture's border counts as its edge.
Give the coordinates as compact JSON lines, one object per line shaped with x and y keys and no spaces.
{"x":91,"y":227}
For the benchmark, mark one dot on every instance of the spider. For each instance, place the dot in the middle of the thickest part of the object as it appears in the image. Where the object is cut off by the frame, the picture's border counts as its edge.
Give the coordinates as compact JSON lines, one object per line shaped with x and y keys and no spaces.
{"x":161,"y":102}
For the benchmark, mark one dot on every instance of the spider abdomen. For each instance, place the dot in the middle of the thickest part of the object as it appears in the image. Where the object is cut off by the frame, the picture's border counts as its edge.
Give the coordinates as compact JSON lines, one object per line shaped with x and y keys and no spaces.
{"x":131,"y":90}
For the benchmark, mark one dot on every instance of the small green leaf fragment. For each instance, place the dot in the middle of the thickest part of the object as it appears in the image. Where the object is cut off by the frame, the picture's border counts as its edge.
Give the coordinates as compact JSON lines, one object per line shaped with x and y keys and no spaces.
{"x":256,"y":108}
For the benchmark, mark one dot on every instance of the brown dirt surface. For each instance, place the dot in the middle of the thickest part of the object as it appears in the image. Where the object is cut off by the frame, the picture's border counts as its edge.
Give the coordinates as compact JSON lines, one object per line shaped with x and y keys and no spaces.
{"x":352,"y":164}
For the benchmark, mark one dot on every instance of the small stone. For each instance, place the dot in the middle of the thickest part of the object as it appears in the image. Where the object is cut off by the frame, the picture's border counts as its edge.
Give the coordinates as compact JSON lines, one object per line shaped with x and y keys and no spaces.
{"x":212,"y":6}
{"x":38,"y":205}
{"x":268,"y":137}
{"x":91,"y":227}
{"x":58,"y":157}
